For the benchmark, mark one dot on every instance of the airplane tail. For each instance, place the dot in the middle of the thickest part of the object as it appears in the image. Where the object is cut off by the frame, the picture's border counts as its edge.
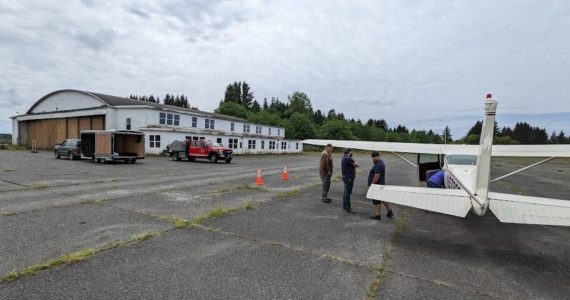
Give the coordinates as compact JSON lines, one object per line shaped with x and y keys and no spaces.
{"x":484,"y":156}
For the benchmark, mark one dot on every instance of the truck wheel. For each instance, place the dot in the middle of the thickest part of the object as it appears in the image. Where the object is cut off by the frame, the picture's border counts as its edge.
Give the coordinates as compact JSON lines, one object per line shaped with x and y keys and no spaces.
{"x":55,"y":154}
{"x":176,"y":156}
{"x":191,"y":158}
{"x":229,"y":160}
{"x":213,"y":158}
{"x":71,"y":156}
{"x":133,"y":160}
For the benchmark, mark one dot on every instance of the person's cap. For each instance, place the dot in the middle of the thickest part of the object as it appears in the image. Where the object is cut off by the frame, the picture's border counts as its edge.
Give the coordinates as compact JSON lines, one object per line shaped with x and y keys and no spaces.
{"x":347,"y":150}
{"x":329,"y":145}
{"x":375,"y":154}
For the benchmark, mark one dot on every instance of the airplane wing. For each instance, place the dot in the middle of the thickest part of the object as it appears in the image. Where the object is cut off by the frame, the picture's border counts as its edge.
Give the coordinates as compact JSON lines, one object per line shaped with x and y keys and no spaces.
{"x":532,"y":150}
{"x":530,"y":210}
{"x":398,"y":147}
{"x":498,"y":150}
{"x":446,"y":201}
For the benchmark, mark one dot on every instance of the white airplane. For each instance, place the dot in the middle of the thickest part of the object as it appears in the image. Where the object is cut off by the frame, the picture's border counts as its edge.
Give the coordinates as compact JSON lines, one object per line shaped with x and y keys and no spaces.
{"x":467,"y":177}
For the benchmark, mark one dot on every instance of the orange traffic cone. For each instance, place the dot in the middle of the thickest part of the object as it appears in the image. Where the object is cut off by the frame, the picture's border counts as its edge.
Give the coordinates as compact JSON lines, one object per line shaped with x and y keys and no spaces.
{"x":259,"y":179}
{"x":285,"y":175}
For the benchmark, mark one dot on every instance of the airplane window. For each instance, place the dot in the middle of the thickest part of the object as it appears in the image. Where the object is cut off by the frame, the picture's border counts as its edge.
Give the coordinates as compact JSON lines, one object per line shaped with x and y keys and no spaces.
{"x":462,"y":159}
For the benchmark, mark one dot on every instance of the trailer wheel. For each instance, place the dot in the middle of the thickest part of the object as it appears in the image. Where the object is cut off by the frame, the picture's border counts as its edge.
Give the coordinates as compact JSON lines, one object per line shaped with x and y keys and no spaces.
{"x":213,"y":158}
{"x":191,"y":158}
{"x":176,"y":156}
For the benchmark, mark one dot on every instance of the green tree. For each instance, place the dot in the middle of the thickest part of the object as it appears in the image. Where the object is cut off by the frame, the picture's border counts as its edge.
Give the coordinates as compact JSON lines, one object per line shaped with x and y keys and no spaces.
{"x":299,"y":102}
{"x":335,"y":129}
{"x":300,"y":126}
{"x":447,"y":135}
{"x":255,"y":107}
{"x":232,"y":109}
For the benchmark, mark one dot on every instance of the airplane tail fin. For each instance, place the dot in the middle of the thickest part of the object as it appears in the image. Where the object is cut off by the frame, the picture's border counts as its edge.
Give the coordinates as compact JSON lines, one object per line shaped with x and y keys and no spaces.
{"x":446,"y":201}
{"x":510,"y":208}
{"x":485,"y":152}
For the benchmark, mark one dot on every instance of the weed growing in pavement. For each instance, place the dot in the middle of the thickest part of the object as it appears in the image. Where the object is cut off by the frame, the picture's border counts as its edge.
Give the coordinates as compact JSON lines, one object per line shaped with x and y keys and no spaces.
{"x":75,"y":257}
{"x":250,"y":205}
{"x":8,"y":213}
{"x":240,"y":187}
{"x":215,"y":213}
{"x":9,"y":170}
{"x":289,"y":193}
{"x":380,"y":269}
{"x":40,"y":186}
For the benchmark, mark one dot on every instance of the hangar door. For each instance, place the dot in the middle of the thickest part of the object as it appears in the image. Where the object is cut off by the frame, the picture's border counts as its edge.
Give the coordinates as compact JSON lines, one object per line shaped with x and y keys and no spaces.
{"x":48,"y":132}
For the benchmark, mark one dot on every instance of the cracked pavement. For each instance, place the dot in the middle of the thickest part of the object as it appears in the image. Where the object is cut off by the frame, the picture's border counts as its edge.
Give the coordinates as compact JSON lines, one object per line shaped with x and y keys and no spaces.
{"x":290,"y":245}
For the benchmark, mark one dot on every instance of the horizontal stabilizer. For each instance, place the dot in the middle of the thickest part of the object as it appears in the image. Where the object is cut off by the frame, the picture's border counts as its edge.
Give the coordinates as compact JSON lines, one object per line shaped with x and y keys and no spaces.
{"x":446,"y":201}
{"x":530,"y":210}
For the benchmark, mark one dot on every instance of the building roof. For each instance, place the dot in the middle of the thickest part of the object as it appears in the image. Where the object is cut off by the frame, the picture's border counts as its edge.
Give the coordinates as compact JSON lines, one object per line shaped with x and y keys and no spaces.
{"x":112,"y":101}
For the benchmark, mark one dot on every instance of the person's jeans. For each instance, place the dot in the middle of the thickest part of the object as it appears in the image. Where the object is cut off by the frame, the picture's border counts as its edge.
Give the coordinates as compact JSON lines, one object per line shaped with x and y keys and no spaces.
{"x":348,"y":184}
{"x":326,"y":180}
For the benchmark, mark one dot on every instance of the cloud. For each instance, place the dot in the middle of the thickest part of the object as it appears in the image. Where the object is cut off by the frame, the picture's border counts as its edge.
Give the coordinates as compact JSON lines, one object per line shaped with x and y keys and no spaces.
{"x":138,"y":12}
{"x":97,"y":40}
{"x":9,"y":98}
{"x":417,"y":64}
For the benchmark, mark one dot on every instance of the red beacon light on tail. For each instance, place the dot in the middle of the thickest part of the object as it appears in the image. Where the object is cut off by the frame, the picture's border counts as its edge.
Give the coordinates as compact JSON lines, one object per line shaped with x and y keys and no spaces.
{"x":489,"y":96}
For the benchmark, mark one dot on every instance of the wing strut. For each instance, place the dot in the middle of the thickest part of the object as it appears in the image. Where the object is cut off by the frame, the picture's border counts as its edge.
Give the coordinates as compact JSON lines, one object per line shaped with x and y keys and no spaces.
{"x":405,"y":159}
{"x":523,"y":169}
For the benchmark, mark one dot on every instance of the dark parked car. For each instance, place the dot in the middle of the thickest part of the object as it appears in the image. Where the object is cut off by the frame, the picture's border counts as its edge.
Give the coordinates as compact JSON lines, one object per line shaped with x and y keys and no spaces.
{"x":70,"y":148}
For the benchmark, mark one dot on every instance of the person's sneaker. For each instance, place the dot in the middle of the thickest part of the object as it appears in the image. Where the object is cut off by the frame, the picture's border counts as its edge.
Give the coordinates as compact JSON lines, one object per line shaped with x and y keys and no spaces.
{"x":328,"y":198}
{"x":390,"y":214}
{"x":325,"y":200}
{"x":376,"y":217}
{"x":349,"y":210}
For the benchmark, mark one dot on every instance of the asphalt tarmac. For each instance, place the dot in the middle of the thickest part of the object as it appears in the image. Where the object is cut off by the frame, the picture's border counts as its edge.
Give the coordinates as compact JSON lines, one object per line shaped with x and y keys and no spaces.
{"x":272,"y":241}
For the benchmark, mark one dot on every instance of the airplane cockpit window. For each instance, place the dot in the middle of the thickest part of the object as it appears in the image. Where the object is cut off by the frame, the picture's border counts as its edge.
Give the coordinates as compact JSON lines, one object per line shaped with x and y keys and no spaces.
{"x":462,"y":159}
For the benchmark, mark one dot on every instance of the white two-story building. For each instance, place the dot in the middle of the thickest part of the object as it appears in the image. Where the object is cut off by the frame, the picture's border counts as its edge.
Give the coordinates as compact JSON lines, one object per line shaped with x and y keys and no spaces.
{"x":65,"y":113}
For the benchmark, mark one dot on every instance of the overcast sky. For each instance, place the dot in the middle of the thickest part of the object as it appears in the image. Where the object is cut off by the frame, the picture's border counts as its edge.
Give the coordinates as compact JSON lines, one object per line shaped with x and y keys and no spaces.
{"x":423,"y":64}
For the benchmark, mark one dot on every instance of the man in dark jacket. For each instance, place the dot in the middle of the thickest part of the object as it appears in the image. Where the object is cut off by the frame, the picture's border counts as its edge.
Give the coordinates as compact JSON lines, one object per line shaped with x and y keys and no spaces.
{"x":348,"y":174}
{"x":326,"y":170}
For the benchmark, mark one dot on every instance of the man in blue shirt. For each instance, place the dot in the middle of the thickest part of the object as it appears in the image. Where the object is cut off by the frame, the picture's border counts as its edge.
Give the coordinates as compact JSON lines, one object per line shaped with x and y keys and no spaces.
{"x":377,"y":175}
{"x":348,"y":174}
{"x":436,"y":180}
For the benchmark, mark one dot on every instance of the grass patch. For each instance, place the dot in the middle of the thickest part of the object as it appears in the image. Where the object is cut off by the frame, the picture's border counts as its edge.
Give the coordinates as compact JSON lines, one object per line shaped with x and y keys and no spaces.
{"x":336,"y":178}
{"x":240,"y":187}
{"x":388,"y":250}
{"x":215,"y":213}
{"x":75,"y":257}
{"x":14,"y":147}
{"x":9,"y":170}
{"x":289,"y":193}
{"x":250,"y":205}
{"x":7,"y":213}
{"x":40,"y":186}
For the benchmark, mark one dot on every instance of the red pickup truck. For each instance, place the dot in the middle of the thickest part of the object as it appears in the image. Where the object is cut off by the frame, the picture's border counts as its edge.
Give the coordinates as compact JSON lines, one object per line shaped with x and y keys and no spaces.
{"x":191,"y":150}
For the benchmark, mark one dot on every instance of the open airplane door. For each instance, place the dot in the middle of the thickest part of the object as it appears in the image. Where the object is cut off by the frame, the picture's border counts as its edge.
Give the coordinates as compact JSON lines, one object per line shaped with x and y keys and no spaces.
{"x":427,"y":162}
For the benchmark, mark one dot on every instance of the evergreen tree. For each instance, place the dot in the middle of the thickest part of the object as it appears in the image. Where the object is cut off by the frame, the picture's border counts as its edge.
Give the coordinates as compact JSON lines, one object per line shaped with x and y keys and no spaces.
{"x":255,"y":107}
{"x":447,"y":135}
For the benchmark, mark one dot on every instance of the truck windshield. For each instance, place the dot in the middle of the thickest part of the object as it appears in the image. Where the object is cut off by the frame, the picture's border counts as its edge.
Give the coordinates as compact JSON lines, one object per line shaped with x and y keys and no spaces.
{"x":462,"y":159}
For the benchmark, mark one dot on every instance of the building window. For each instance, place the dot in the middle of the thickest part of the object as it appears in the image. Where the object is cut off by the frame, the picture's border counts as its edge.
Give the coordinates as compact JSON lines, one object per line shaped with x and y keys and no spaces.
{"x":176,"y":120}
{"x":258,"y":129}
{"x":219,"y":141}
{"x":233,"y":126}
{"x":269,"y":130}
{"x":297,"y":146}
{"x":283,"y":145}
{"x":233,"y":143}
{"x":279,"y":132}
{"x":271,"y":145}
{"x":169,"y":119}
{"x":209,"y":123}
{"x":154,"y":141}
{"x":251,"y":144}
{"x":128,"y":124}
{"x":194,"y":121}
{"x":162,"y":120}
{"x":246,"y":128}
{"x":262,"y":145}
